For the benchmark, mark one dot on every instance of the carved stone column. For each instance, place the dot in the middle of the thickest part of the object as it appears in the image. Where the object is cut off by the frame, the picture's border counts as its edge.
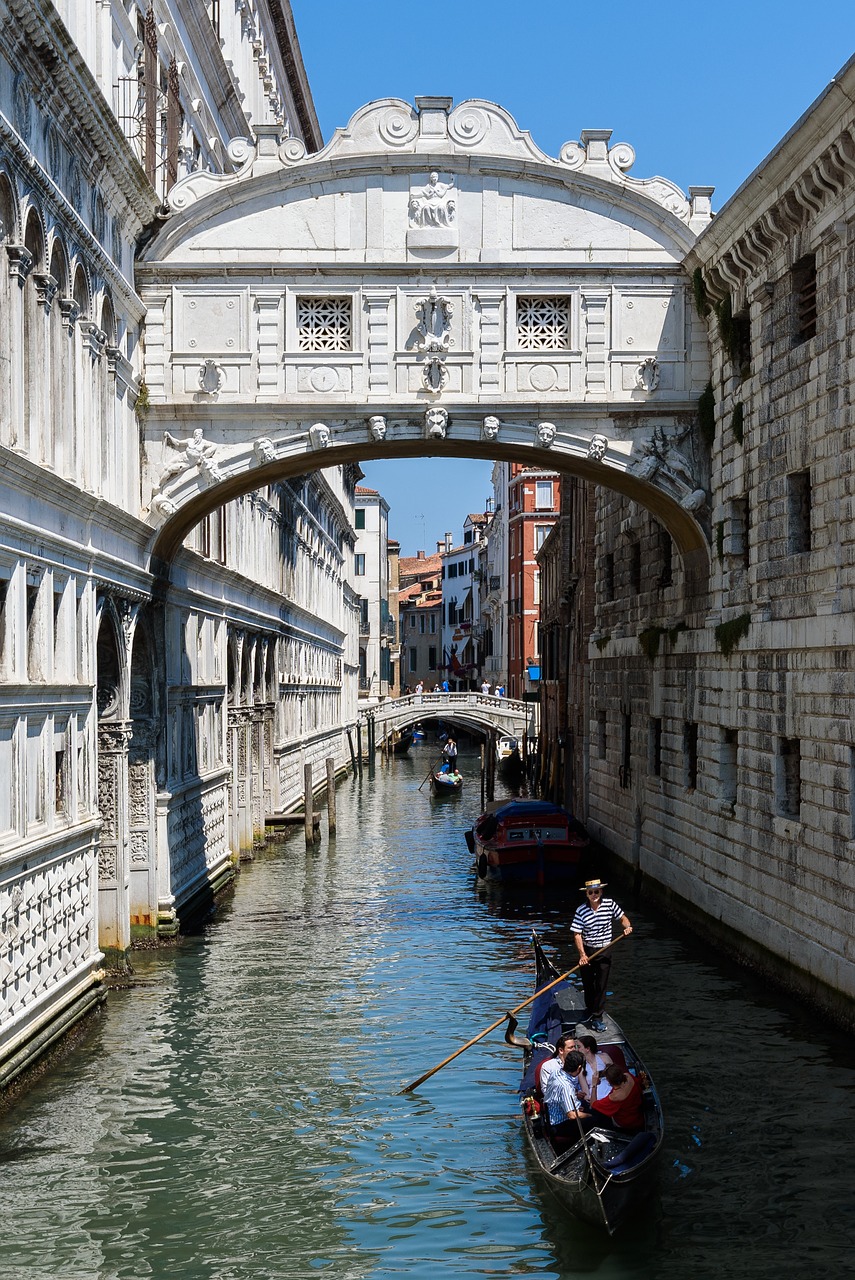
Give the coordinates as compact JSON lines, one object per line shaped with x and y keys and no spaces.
{"x":113,"y":861}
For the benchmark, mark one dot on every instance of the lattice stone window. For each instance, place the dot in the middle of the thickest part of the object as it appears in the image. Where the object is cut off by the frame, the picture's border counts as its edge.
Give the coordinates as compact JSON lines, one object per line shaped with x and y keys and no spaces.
{"x":543,"y":324}
{"x":324,"y":324}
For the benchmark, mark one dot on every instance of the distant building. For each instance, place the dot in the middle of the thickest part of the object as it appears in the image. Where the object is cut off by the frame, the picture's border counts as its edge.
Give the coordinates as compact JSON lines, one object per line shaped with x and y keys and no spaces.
{"x":461,"y":604}
{"x":534,"y":501}
{"x":371,"y":578}
{"x":420,"y":614}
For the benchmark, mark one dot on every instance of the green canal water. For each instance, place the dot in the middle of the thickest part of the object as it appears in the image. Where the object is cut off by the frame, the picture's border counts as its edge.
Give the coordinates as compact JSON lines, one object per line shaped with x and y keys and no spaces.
{"x":237,"y":1115}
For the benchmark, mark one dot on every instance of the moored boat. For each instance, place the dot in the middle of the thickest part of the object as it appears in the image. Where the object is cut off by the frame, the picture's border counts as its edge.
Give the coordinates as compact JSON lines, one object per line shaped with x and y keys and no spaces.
{"x":607,"y":1173}
{"x":527,"y":842}
{"x":508,"y":759}
{"x":445,"y":784}
{"x":402,"y":740}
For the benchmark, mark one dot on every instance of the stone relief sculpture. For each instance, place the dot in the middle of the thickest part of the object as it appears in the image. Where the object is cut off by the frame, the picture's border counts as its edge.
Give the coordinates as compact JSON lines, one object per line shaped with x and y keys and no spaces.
{"x":210,"y":377}
{"x":264,"y":449}
{"x":435,"y":338}
{"x":377,"y":427}
{"x":490,"y":427}
{"x":647,"y":374}
{"x":320,"y":436}
{"x":661,"y":455}
{"x":434,"y":206}
{"x":436,"y":423}
{"x":597,"y":448}
{"x":195,"y":452}
{"x":545,"y":434}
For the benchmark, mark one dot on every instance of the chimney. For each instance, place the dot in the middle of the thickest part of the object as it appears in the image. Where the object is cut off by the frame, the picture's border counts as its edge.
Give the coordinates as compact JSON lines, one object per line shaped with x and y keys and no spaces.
{"x":440,"y":547}
{"x":420,"y":555}
{"x":449,"y":542}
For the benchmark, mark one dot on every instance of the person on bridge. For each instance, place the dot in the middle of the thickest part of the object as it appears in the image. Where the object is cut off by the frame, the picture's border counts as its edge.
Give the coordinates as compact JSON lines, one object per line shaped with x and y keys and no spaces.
{"x":592,"y":929}
{"x":445,"y":686}
{"x":485,"y":686}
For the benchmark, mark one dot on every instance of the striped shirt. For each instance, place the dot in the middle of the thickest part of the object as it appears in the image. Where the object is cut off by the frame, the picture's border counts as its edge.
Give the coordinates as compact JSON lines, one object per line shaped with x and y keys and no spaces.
{"x":560,"y":1096}
{"x":596,"y":926}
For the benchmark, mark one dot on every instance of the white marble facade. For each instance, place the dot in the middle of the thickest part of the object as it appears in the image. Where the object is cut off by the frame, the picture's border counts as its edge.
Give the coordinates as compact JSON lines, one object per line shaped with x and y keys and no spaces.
{"x":147,"y":726}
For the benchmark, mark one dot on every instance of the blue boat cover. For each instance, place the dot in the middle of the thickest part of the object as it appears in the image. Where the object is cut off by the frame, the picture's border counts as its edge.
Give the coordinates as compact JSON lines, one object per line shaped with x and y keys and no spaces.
{"x":633,"y":1153}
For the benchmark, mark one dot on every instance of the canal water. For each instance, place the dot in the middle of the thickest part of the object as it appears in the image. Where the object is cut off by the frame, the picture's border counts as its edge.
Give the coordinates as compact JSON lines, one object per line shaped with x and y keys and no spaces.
{"x":237,"y":1116}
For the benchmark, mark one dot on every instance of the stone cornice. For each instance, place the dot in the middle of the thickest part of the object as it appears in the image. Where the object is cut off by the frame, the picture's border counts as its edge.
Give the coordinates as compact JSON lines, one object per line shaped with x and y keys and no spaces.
{"x":50,"y":49}
{"x":282,"y":22}
{"x":813,"y":164}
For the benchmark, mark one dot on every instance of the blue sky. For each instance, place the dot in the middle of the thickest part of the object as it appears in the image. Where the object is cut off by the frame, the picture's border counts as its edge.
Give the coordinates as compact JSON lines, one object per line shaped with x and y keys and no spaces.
{"x":702,"y":92}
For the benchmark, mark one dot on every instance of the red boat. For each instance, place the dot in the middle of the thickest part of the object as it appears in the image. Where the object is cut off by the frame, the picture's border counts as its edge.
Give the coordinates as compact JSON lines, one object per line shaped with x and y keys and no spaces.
{"x":527,"y":842}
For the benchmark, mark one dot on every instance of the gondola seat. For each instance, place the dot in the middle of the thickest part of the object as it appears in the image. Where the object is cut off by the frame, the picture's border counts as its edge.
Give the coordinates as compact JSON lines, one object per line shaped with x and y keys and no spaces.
{"x":636,"y":1150}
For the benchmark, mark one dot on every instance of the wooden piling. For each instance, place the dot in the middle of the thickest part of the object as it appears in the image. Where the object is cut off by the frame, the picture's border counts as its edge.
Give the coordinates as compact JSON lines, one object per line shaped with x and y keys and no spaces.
{"x":331,"y":795}
{"x":483,"y":777}
{"x":308,"y":813}
{"x":359,"y":746}
{"x":352,"y":752}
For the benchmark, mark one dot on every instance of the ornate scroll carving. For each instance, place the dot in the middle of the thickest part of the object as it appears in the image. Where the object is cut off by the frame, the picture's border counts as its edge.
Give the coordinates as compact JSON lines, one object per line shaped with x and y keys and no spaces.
{"x":434,"y":328}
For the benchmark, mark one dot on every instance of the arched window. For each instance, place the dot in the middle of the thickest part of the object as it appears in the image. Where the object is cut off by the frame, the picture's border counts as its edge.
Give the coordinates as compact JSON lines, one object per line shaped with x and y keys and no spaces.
{"x":34,"y":355}
{"x":60,"y":435}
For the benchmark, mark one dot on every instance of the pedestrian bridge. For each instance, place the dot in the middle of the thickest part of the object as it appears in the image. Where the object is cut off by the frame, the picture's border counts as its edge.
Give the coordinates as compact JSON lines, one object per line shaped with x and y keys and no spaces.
{"x":479,"y":712}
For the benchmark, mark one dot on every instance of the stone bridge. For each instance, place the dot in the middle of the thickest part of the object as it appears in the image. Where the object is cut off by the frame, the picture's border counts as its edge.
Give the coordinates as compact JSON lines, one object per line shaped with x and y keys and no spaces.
{"x":430,"y":283}
{"x":480,"y":712}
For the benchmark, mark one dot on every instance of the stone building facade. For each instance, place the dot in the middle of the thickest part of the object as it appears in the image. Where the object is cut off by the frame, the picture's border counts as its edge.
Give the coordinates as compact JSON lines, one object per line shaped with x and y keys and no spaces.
{"x":149,"y":721}
{"x":720,"y":754}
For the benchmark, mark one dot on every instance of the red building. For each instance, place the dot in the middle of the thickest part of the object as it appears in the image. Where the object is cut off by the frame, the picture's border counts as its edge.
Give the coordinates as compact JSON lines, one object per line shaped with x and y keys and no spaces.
{"x":534,"y":503}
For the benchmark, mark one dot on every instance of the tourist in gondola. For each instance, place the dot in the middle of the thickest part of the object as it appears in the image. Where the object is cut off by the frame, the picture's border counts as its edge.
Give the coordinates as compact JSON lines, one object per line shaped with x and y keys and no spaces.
{"x":624,"y":1103}
{"x":564,"y":1106}
{"x":545,"y":1069}
{"x":595,"y":1064}
{"x":592,"y":929}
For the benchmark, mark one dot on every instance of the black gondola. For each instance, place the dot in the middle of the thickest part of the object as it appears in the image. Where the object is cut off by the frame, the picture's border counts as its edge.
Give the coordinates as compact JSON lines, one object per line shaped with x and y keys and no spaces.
{"x":445,"y":784}
{"x":607,"y":1173}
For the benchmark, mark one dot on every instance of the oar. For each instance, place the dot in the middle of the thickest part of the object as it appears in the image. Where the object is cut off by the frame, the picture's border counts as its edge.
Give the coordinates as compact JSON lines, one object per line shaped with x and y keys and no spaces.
{"x":429,"y":772}
{"x":492,"y":1027}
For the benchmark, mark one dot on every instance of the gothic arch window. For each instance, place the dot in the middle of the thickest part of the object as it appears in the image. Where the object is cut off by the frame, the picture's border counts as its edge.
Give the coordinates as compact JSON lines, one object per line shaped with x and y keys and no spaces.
{"x":61,"y":432}
{"x":34,"y":355}
{"x":81,"y":293}
{"x":8,"y":236}
{"x":109,"y":669}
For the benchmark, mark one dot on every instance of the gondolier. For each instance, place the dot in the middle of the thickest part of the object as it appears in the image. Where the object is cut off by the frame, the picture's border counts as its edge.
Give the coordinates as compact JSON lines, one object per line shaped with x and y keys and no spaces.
{"x":592,"y":929}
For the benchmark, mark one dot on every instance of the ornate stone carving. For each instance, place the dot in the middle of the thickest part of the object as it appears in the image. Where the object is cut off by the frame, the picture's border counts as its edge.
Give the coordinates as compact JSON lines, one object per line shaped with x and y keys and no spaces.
{"x":490,"y":427}
{"x":436,"y":423}
{"x":545,"y":434}
{"x":46,"y":288}
{"x":647,"y":374}
{"x":435,"y":338}
{"x":20,"y":262}
{"x":70,"y":312}
{"x":660,"y":455}
{"x":264,"y":450}
{"x":210,"y":377}
{"x":377,"y":427}
{"x":597,"y":448}
{"x":320,"y":436}
{"x":162,"y":506}
{"x":195,"y":452}
{"x":435,"y":205}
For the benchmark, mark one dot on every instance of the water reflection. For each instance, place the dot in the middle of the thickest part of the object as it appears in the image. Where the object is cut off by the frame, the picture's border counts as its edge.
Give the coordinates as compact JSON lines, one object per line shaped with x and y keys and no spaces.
{"x":239,"y":1116}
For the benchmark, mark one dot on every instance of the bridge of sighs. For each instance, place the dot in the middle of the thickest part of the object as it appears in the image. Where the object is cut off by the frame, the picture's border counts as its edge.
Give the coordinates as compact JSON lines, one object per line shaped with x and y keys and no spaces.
{"x":430,"y":283}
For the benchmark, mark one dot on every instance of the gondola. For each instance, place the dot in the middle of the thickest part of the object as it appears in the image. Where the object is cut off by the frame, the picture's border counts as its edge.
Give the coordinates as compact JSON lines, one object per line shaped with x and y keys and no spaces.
{"x":527,"y":842}
{"x":508,"y":760}
{"x":606,"y":1175}
{"x":445,"y":784}
{"x":402,"y":740}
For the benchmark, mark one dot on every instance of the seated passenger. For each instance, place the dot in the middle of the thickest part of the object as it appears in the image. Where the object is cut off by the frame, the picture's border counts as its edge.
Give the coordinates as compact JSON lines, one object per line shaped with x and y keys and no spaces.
{"x":595,"y":1065}
{"x":624,"y":1104}
{"x":563,"y":1104}
{"x":544,"y":1069}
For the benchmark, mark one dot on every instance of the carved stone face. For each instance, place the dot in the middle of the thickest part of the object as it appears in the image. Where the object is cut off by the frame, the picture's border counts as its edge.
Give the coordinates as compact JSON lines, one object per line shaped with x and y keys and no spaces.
{"x":264,"y":449}
{"x":490,"y":427}
{"x":319,"y":435}
{"x":377,"y":427}
{"x":436,"y":422}
{"x":597,"y":448}
{"x":545,"y":433}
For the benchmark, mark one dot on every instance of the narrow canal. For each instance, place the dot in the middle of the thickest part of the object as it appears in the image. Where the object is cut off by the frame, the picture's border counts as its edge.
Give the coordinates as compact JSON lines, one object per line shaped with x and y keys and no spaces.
{"x":237,"y":1116}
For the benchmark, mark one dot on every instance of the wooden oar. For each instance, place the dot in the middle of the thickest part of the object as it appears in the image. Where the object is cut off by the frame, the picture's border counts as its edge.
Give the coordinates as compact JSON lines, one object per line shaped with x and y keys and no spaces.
{"x":429,"y":773}
{"x":492,"y":1027}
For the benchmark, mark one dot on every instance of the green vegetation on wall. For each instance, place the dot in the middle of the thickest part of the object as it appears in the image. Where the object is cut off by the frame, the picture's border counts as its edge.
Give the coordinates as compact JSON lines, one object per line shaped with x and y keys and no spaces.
{"x":737,"y":423}
{"x":729,"y":634}
{"x":702,"y":303}
{"x":706,"y":414}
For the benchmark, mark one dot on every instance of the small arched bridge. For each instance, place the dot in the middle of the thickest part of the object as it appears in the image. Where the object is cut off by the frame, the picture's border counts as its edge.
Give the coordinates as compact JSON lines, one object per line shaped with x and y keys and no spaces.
{"x":478,"y":712}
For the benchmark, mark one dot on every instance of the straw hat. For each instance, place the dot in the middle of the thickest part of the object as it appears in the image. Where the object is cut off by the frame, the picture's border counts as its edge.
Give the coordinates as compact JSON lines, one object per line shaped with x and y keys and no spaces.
{"x":593,"y":884}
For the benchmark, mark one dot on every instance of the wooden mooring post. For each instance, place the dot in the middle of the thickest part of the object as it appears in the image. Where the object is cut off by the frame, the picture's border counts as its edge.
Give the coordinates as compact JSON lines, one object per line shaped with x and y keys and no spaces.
{"x":308,"y":813}
{"x":483,"y":776}
{"x":331,"y":795}
{"x":359,"y":746}
{"x":352,"y":753}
